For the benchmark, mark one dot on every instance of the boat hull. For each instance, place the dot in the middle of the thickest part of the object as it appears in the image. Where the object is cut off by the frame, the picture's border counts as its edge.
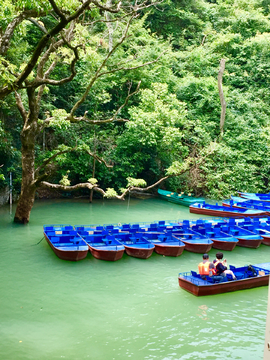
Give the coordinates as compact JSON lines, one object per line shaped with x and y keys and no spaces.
{"x":266,"y":240}
{"x":140,"y":253}
{"x":212,"y":212}
{"x":199,"y":248}
{"x":71,"y":255}
{"x":223,"y":245}
{"x":249,"y":243}
{"x":213,"y":289}
{"x":108,"y":255}
{"x":168,"y":250}
{"x":179,"y":199}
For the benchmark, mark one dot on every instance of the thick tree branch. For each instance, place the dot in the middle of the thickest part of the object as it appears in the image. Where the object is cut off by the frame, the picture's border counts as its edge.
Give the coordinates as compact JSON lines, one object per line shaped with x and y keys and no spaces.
{"x":45,"y":184}
{"x":40,"y":47}
{"x":5,"y":39}
{"x":20,"y":106}
{"x":57,"y":10}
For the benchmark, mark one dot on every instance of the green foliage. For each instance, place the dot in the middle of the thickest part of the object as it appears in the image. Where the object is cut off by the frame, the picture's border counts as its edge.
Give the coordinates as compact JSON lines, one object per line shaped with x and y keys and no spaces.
{"x":92,"y":181}
{"x":136,"y":182}
{"x":110,"y":193}
{"x":65,"y":181}
{"x":174,"y":119}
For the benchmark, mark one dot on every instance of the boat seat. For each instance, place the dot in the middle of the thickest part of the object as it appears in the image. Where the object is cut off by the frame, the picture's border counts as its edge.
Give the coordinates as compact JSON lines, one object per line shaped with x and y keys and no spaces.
{"x":162,"y":222}
{"x":239,"y":275}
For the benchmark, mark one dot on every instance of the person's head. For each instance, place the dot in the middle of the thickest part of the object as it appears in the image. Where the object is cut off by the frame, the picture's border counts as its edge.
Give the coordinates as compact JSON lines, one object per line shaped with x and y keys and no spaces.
{"x":219,"y":255}
{"x":205,"y":257}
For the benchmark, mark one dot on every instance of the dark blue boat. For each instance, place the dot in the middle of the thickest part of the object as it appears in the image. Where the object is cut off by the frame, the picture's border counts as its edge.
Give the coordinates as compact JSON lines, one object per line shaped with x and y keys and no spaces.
{"x":224,"y":211}
{"x":165,"y":244}
{"x":245,"y":237}
{"x":255,"y":196}
{"x":104,"y":246}
{"x":248,"y":204}
{"x":65,"y":242}
{"x":135,"y":244}
{"x":247,"y":278}
{"x":194,"y":242}
{"x":221,"y":240}
{"x":257,"y":226}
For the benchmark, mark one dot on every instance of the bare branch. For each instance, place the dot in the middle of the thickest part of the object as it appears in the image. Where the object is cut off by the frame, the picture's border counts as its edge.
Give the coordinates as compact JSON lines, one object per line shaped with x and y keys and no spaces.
{"x":108,"y":8}
{"x":53,"y":46}
{"x":97,"y":74}
{"x":57,"y":10}
{"x":38,"y":24}
{"x":134,"y":67}
{"x":20,"y":106}
{"x":99,"y":159}
{"x":111,"y":119}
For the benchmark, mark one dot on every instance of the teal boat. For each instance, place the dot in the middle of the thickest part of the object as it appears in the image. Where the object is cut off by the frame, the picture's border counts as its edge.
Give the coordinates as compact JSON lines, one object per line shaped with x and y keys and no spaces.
{"x":181,"y":199}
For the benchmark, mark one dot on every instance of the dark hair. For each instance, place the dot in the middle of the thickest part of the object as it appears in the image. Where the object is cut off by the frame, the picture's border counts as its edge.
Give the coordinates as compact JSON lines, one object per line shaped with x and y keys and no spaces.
{"x":205,"y":256}
{"x":219,"y":255}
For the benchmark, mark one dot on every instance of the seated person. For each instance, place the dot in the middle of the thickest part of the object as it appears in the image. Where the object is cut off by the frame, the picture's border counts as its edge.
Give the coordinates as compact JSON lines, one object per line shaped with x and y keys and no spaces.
{"x":204,"y":266}
{"x":221,"y":266}
{"x":213,"y":274}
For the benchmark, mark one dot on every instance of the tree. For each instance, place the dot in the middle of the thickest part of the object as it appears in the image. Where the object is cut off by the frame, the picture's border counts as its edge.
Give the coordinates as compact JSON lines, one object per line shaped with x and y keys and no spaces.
{"x":69,"y":34}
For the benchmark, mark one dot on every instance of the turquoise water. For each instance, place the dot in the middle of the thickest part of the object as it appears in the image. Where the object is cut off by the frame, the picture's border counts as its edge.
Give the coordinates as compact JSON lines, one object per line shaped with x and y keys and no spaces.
{"x":129,"y":309}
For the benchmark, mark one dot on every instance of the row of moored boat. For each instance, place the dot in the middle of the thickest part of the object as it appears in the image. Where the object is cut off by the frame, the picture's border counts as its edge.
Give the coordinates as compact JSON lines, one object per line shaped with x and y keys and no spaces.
{"x":246,"y":205}
{"x":168,"y":238}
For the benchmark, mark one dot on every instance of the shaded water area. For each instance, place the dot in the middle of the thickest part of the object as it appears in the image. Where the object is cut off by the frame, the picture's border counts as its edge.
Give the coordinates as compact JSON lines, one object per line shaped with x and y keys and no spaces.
{"x":129,"y":309}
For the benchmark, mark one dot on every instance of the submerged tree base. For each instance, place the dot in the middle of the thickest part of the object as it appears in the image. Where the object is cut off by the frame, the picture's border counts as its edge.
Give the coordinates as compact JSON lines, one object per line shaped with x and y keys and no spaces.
{"x":21,"y":220}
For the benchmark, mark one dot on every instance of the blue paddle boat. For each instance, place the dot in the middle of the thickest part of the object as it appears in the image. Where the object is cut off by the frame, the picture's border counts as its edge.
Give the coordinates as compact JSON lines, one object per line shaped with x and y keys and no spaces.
{"x":224,"y":211}
{"x":194,"y":241}
{"x":255,"y":196}
{"x":221,"y":240}
{"x":104,"y":246}
{"x":65,"y":242}
{"x":257,"y":226}
{"x":247,"y":277}
{"x":246,"y":238}
{"x":248,"y":204}
{"x":135,"y":244}
{"x":165,"y":244}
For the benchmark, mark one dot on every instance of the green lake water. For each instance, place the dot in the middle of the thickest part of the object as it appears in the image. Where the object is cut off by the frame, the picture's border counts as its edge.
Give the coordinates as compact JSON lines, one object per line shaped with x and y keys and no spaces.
{"x":129,"y":309}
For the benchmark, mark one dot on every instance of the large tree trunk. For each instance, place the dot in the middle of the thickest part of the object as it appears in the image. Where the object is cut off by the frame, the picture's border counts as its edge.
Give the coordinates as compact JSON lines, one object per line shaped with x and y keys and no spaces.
{"x":28,"y":189}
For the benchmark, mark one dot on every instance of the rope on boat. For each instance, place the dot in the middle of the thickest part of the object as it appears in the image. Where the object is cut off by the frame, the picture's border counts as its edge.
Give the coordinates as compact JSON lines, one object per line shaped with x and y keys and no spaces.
{"x":39,"y":241}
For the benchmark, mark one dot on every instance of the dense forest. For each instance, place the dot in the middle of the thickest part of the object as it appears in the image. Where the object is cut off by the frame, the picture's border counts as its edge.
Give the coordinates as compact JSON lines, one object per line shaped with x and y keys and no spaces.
{"x":110,"y":96}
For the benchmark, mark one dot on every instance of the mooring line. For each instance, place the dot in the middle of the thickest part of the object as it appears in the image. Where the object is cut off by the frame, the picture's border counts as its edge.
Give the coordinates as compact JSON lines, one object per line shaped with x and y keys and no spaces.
{"x":39,"y":241}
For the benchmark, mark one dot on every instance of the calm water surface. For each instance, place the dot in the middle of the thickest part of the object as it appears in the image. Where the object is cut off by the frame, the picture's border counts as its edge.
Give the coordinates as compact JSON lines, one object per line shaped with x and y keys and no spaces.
{"x":129,"y":309}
